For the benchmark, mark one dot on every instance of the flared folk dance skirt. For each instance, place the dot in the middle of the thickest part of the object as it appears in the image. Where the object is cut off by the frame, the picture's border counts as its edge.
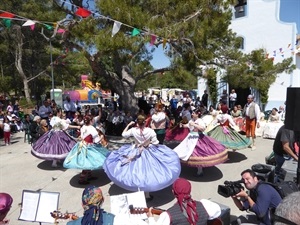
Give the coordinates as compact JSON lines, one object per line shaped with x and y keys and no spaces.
{"x":53,"y":145}
{"x":86,"y":157}
{"x":176,"y":134}
{"x":206,"y":151}
{"x":229,"y":138}
{"x":146,"y":169}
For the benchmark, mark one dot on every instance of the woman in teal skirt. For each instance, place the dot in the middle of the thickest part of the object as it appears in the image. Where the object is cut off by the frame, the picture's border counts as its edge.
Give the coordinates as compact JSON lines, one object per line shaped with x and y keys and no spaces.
{"x":88,"y":154}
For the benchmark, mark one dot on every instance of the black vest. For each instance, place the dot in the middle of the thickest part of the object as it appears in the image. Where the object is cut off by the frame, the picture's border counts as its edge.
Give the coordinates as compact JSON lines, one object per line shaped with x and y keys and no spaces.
{"x":177,"y":217}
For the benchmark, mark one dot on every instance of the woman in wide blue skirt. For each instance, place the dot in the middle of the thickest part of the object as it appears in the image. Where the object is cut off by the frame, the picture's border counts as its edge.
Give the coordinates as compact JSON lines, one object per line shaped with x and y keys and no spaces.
{"x":144,"y":165}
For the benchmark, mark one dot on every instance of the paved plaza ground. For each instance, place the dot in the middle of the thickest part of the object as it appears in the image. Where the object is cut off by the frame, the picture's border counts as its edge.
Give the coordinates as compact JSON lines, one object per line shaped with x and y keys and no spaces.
{"x":19,"y":171}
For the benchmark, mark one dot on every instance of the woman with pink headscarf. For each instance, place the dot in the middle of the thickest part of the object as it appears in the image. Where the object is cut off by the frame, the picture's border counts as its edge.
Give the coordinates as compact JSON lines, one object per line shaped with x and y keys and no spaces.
{"x":5,"y":204}
{"x":186,"y":211}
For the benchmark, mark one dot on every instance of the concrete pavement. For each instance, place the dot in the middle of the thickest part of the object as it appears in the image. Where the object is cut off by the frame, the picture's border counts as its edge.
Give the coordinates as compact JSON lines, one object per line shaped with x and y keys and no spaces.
{"x":19,"y":171}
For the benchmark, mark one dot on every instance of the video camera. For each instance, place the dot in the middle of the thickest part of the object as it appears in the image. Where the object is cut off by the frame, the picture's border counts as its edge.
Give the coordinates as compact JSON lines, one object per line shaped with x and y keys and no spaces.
{"x":230,"y":188}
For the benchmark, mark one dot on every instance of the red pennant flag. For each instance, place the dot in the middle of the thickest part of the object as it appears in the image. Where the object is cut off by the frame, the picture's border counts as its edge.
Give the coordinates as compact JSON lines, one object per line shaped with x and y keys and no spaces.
{"x":7,"y":15}
{"x":83,"y":12}
{"x":153,"y":39}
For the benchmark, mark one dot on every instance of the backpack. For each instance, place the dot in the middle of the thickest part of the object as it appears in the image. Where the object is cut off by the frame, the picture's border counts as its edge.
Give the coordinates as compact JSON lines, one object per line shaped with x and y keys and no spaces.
{"x":265,"y":173}
{"x":284,"y":188}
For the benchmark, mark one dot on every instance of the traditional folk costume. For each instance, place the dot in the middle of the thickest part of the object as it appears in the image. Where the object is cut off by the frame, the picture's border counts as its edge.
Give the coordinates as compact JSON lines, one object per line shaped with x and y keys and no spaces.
{"x":87,"y":154}
{"x":175,"y":133}
{"x":158,"y":123}
{"x":199,"y":150}
{"x":186,"y":210}
{"x":144,"y":165}
{"x":225,"y":134}
{"x":54,"y":144}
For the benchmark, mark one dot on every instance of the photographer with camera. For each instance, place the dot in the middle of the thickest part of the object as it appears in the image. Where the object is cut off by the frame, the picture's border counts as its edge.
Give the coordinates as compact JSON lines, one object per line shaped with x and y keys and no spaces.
{"x":261,"y":199}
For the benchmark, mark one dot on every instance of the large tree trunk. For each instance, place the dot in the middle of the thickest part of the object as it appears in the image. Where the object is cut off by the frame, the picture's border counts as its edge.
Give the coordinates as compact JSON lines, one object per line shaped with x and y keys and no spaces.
{"x":128,"y":100}
{"x":123,"y":85}
{"x":18,"y":63}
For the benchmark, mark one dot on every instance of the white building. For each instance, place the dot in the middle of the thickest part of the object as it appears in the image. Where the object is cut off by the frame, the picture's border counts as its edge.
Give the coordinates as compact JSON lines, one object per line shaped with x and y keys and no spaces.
{"x":258,"y":23}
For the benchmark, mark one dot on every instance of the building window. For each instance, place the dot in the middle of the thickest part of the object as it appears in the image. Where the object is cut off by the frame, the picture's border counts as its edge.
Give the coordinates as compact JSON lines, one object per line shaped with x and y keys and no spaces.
{"x":240,"y":8}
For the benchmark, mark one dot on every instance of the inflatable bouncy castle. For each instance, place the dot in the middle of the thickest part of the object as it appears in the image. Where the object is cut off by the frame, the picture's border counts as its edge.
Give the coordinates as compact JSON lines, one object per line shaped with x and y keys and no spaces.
{"x":89,"y":93}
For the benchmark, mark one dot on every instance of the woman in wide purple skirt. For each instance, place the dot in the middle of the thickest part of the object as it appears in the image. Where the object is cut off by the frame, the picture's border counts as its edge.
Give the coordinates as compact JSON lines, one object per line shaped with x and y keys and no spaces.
{"x":56,"y":143}
{"x":198,"y":150}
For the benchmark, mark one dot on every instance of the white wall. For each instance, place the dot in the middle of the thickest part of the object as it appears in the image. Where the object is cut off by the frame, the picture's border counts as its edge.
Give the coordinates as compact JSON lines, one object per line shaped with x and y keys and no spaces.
{"x":261,"y":28}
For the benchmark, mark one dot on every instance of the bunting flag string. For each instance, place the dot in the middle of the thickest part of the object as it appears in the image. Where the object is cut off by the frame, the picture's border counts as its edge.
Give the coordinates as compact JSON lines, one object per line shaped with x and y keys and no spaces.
{"x":116,"y":28}
{"x":84,"y":13}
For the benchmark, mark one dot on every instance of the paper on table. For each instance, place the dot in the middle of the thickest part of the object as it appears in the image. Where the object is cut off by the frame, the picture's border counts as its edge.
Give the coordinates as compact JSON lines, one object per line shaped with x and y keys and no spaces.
{"x":47,"y":204}
{"x":37,"y":206}
{"x":120,"y":204}
{"x":29,"y":205}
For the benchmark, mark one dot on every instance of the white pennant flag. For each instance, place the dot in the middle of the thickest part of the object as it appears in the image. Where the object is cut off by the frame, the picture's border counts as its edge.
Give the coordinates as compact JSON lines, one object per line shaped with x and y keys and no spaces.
{"x":116,"y":28}
{"x":28,"y":23}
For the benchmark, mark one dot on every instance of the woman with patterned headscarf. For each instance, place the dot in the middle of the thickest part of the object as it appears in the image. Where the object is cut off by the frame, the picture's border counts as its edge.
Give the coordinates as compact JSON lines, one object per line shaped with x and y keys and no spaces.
{"x":92,"y":199}
{"x":186,"y":211}
{"x":5,"y":205}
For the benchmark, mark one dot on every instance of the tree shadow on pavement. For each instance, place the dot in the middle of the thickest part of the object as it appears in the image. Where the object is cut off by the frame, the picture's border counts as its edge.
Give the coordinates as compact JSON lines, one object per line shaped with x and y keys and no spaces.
{"x":99,"y":179}
{"x":235,"y":157}
{"x":209,"y":174}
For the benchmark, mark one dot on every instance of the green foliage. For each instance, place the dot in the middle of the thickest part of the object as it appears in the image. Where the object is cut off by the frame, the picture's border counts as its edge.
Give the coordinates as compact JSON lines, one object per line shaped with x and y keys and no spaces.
{"x":195,"y":33}
{"x":5,"y":84}
{"x":170,"y":79}
{"x":211,"y":76}
{"x":36,"y":50}
{"x":256,"y":71}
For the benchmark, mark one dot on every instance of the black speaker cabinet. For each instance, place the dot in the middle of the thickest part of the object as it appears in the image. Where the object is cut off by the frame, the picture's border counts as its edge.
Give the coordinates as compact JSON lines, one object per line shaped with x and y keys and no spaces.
{"x":292,"y":114}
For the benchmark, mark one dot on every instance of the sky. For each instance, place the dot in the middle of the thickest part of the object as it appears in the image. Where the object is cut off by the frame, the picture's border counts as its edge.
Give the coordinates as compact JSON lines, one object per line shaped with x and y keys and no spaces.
{"x":289,"y":12}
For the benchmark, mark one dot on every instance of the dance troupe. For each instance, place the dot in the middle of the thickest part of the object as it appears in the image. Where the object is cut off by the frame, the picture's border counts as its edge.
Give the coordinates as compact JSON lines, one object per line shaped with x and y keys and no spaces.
{"x":147,"y":164}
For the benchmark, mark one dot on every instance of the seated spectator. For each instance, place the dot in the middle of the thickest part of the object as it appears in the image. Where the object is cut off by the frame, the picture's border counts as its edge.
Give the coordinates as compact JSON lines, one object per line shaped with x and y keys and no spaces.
{"x":5,"y":204}
{"x":235,"y":112}
{"x":10,"y":107}
{"x":212,"y":111}
{"x":239,"y":107}
{"x":18,"y":123}
{"x":33,"y":128}
{"x":92,"y":200}
{"x":274,"y":116}
{"x":128,"y":118}
{"x":16,"y":108}
{"x":43,"y":127}
{"x":117,"y":123}
{"x":281,"y":112}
